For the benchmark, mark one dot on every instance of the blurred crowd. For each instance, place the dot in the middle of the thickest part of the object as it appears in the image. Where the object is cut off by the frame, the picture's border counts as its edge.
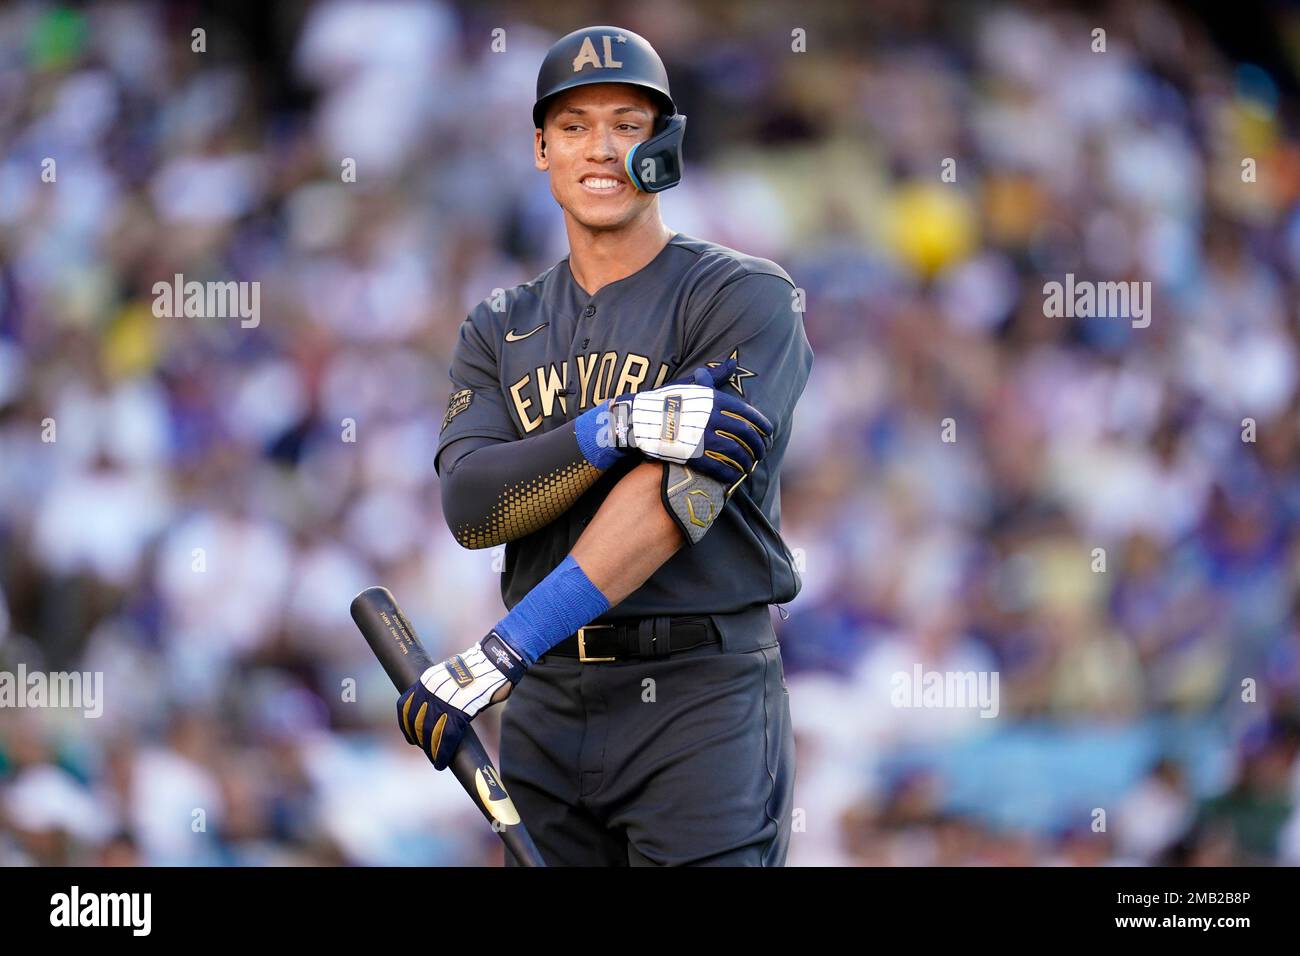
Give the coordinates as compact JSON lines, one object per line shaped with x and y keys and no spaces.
{"x":1103,"y":515}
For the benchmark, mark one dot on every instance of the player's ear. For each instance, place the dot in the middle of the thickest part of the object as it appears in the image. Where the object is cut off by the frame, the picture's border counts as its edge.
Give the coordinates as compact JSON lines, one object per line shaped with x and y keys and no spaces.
{"x":540,"y":161}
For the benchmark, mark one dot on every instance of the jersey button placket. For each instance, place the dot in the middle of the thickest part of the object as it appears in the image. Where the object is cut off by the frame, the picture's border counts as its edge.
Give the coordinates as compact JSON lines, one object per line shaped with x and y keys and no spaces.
{"x":587,"y":313}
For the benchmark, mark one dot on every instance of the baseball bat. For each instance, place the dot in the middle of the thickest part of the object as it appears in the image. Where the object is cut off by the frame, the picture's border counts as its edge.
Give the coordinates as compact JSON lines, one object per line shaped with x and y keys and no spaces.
{"x":404,"y":659}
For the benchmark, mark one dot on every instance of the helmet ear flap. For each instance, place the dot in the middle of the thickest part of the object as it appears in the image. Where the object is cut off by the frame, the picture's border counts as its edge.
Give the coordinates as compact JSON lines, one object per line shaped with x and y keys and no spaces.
{"x":656,"y":164}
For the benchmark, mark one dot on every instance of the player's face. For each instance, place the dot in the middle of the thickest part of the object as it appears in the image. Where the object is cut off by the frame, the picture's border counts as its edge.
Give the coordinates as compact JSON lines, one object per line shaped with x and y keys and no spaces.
{"x":588,"y":134}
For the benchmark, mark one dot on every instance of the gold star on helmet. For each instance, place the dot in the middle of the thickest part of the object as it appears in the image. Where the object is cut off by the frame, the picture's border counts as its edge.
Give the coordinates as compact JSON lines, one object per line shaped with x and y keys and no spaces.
{"x":737,"y":380}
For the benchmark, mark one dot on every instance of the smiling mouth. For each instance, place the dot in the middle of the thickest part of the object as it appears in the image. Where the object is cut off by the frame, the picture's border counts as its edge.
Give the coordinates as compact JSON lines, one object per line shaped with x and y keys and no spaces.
{"x":602,"y":185}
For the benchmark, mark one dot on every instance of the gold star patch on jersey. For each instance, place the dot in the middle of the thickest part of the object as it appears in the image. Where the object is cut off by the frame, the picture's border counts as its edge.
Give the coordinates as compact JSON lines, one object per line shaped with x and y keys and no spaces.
{"x":737,"y":380}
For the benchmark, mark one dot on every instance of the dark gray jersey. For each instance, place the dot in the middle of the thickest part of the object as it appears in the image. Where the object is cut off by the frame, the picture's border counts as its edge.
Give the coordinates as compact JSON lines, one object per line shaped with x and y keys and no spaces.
{"x":548,"y":351}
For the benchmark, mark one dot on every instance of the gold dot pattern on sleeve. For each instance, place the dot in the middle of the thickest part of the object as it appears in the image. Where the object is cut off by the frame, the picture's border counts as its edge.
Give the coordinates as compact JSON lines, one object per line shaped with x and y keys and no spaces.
{"x":528,"y":506}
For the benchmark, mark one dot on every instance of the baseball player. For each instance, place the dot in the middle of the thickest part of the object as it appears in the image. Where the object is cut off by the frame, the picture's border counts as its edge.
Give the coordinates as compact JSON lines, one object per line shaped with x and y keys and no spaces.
{"x":619,"y":423}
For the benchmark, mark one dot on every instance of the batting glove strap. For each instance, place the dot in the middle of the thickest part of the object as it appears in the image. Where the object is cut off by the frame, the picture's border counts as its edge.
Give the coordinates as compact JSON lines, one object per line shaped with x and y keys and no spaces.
{"x":468,"y":681}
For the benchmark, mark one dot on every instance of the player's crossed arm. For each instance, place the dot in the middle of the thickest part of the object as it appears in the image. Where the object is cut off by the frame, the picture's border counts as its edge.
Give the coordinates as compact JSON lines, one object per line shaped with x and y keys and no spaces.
{"x":497,"y":491}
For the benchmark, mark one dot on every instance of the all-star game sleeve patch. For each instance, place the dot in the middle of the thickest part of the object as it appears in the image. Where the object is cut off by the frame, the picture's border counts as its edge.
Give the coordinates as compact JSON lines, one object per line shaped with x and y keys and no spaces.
{"x":458,"y":402}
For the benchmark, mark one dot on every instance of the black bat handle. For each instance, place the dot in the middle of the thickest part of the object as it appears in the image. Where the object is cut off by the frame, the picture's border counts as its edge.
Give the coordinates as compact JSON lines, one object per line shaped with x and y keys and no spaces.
{"x":404,"y":659}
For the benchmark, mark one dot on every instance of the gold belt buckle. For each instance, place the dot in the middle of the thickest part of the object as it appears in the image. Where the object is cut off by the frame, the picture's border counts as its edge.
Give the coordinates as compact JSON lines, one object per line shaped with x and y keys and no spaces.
{"x":582,"y":644}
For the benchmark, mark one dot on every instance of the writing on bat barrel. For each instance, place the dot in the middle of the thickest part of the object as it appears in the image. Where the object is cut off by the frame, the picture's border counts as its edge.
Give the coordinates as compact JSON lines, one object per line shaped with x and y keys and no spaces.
{"x":400,"y":631}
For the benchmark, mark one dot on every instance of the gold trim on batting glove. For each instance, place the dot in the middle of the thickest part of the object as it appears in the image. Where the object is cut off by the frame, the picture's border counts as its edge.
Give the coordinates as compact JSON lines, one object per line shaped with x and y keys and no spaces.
{"x":719,"y":456}
{"x":738,"y":440}
{"x":742,"y":418}
{"x":419,"y":722}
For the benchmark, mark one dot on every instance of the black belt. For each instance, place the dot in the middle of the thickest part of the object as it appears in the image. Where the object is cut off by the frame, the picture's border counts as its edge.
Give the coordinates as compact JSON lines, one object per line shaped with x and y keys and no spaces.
{"x":647,"y":638}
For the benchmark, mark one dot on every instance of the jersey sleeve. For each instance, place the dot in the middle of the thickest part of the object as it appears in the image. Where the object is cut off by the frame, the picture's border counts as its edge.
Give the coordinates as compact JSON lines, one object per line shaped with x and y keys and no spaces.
{"x":753,"y":319}
{"x":494,"y":492}
{"x":476,"y":406}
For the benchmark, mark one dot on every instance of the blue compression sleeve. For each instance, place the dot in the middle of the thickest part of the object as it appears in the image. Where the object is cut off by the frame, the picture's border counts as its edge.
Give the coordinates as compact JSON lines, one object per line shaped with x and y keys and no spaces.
{"x":564,"y":601}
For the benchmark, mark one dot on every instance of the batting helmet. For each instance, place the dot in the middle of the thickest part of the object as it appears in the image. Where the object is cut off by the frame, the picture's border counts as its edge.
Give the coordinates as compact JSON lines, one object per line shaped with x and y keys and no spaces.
{"x":613,"y":55}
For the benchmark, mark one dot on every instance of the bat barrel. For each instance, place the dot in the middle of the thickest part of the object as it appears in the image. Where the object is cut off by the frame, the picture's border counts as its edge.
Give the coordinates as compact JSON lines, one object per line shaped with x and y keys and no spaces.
{"x":390,"y":636}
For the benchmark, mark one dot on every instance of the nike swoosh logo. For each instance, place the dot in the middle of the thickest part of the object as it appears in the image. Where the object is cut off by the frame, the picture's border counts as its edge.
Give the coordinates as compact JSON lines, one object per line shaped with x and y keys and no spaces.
{"x":513,"y":336}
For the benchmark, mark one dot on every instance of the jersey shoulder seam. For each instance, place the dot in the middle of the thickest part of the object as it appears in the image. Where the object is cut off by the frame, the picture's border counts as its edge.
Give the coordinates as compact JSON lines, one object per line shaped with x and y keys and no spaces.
{"x":752,"y":275}
{"x":749,"y":265}
{"x":688,"y":331}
